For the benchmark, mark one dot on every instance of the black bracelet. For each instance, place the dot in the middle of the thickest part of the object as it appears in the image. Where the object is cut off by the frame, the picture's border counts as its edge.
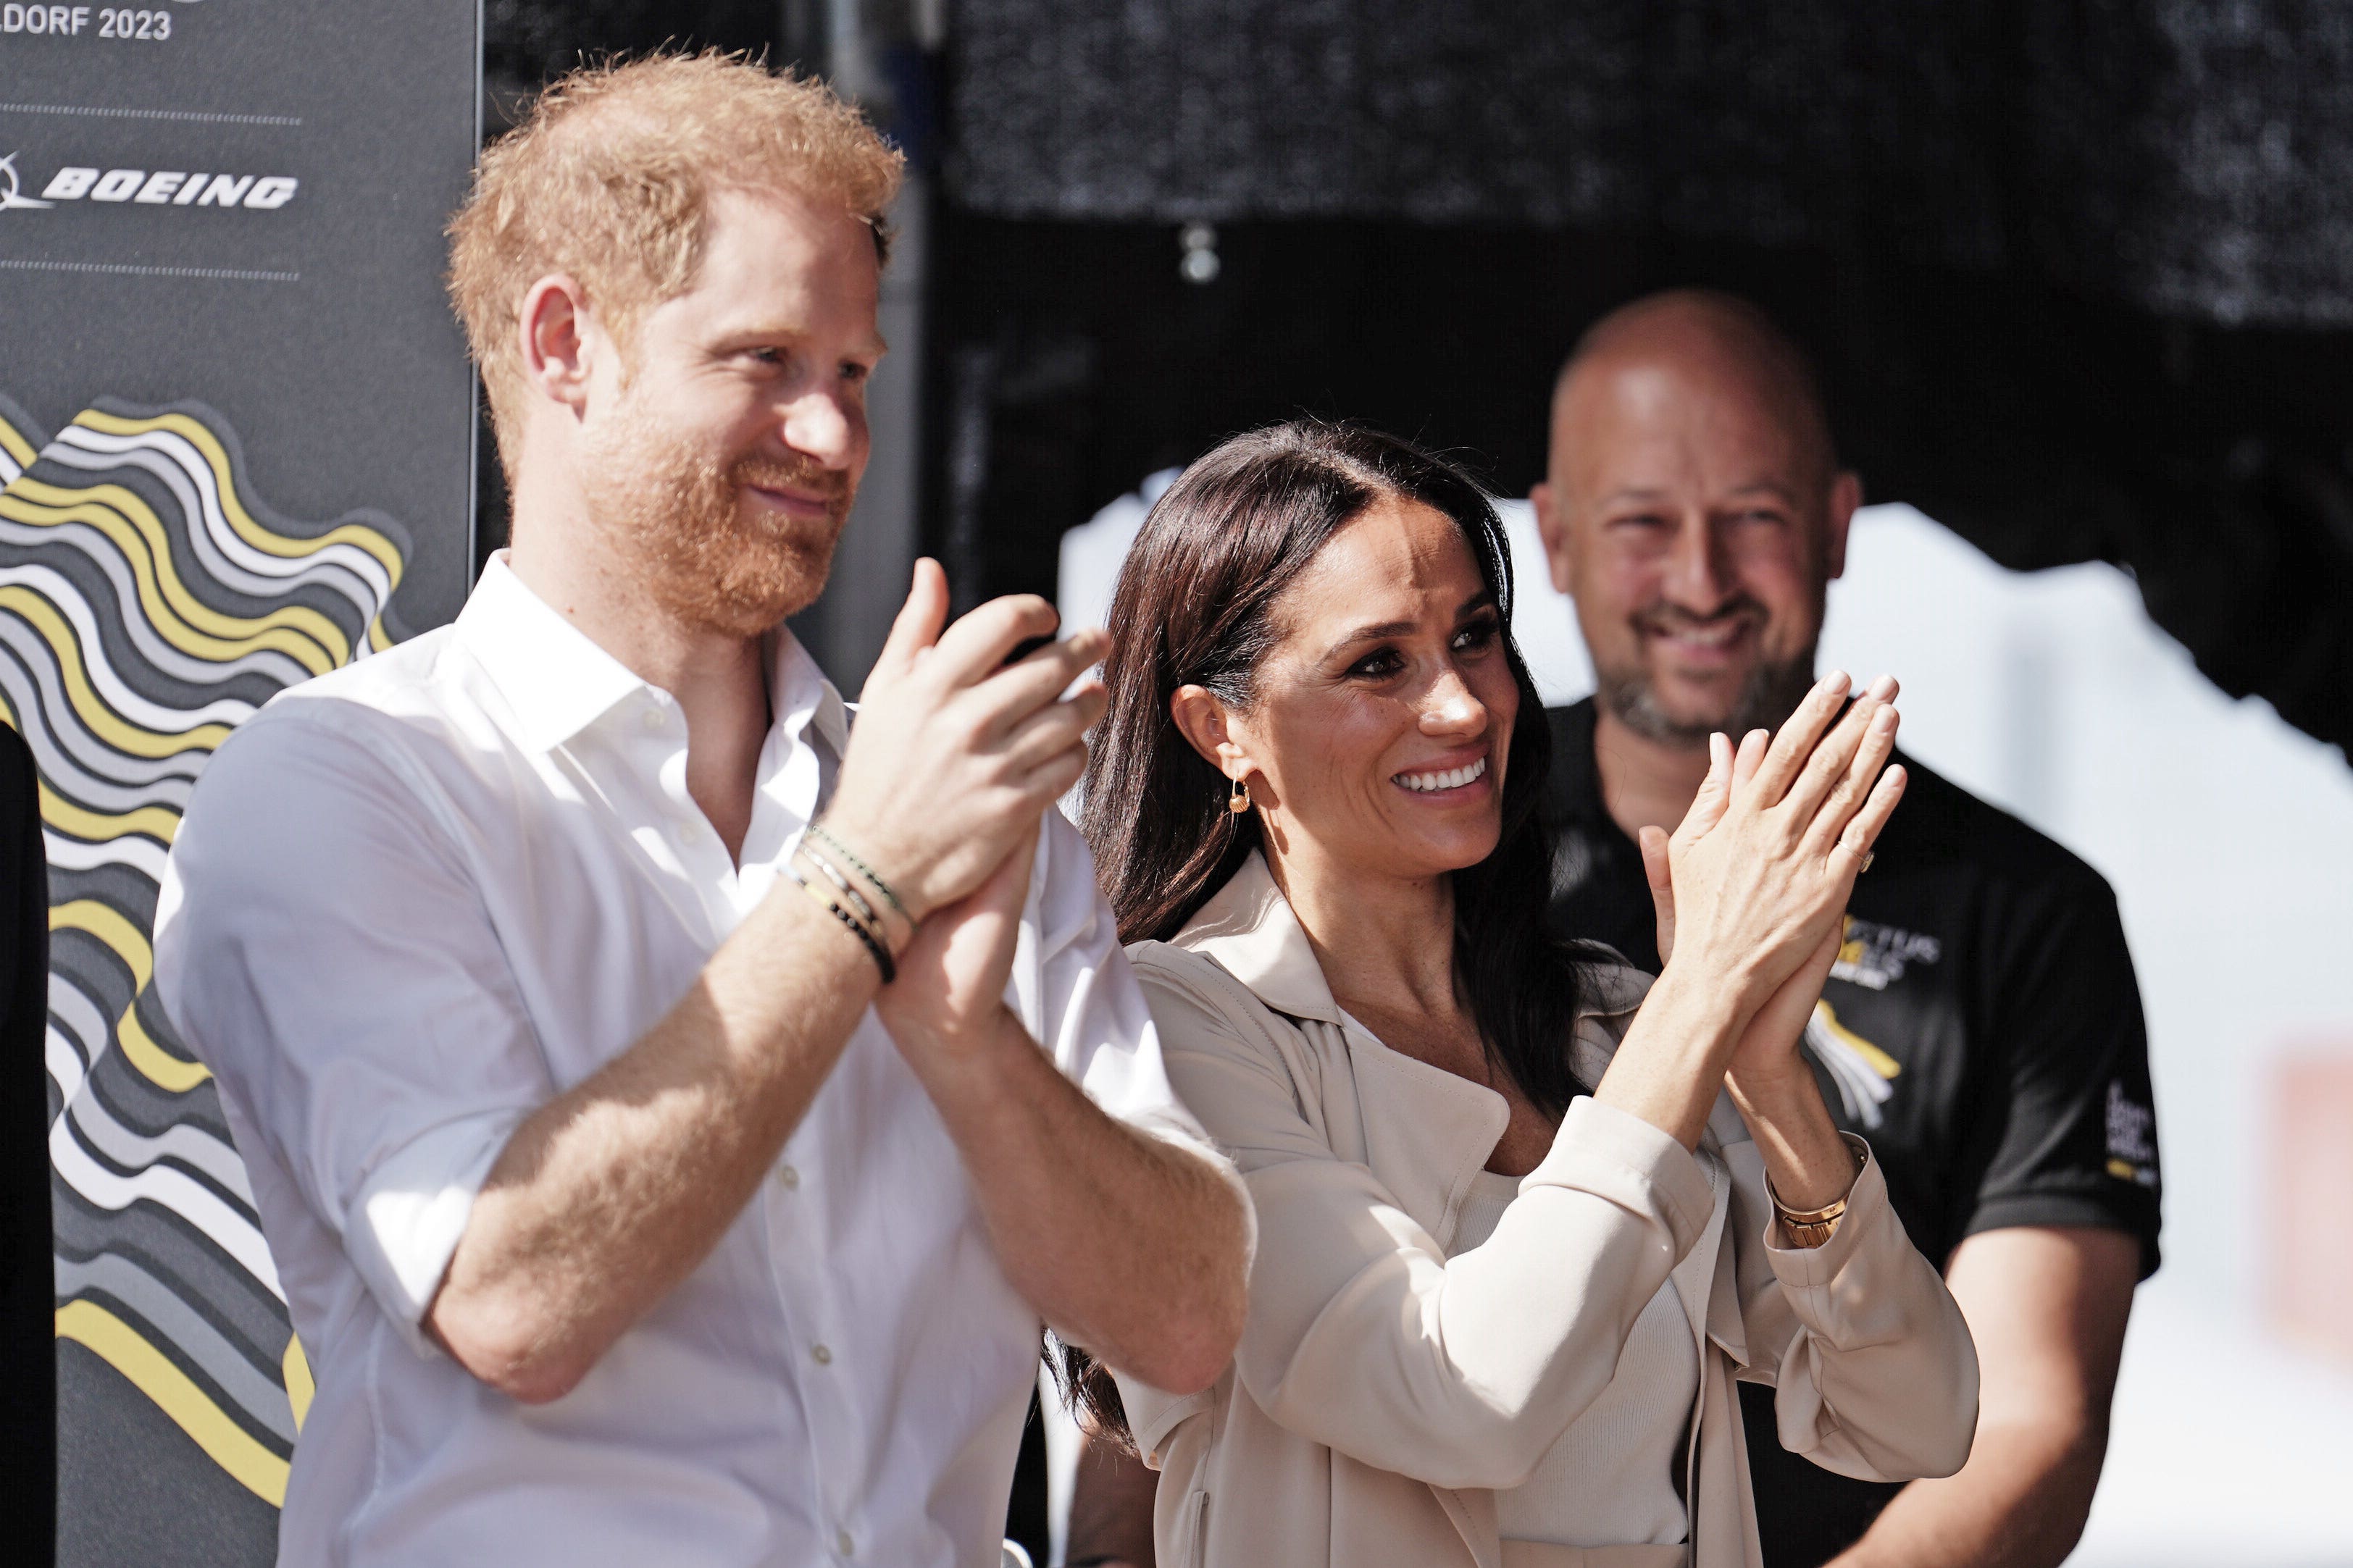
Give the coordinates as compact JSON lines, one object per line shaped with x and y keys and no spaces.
{"x":866,"y":911}
{"x":881,"y":954}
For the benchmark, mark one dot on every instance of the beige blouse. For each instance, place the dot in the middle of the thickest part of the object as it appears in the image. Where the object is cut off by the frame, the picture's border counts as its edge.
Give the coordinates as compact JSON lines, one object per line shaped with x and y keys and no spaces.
{"x":1388,"y":1386}
{"x":1610,"y":1479}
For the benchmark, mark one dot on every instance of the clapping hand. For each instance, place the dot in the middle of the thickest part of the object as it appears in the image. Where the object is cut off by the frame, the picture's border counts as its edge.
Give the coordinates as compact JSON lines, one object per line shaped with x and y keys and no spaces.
{"x":1765,"y":859}
{"x":951,"y":977}
{"x":957,"y":753}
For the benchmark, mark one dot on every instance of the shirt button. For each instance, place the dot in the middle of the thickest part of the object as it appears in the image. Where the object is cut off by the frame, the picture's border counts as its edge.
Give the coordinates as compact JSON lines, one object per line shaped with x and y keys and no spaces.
{"x":788,"y":1178}
{"x":842,"y":1543}
{"x":823,"y":1356}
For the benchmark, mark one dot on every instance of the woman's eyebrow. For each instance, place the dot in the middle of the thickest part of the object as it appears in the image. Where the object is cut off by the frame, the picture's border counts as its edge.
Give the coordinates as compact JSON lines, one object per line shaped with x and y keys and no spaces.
{"x":1372,"y":633}
{"x":1483,"y":599}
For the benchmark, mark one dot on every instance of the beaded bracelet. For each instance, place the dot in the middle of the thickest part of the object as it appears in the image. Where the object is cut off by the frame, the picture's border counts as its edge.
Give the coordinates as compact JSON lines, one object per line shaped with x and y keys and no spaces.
{"x":875,"y":950}
{"x":833,"y":874}
{"x":863,"y":870}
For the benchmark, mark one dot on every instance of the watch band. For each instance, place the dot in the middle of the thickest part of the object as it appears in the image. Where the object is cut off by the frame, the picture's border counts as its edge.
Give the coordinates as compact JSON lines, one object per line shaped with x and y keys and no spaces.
{"x":1809,"y":1228}
{"x":1812,"y":1229}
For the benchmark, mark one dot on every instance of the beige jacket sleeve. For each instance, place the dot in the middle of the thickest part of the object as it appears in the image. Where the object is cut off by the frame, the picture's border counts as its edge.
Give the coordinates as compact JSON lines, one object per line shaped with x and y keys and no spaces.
{"x":1361,"y":1335}
{"x":1875,"y":1375}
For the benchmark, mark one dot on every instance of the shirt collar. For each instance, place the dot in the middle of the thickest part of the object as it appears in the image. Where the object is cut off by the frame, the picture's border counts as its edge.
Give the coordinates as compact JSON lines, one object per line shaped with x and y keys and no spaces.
{"x":800,"y":697}
{"x":558,"y":682}
{"x":1248,"y":926}
{"x":553,"y":675}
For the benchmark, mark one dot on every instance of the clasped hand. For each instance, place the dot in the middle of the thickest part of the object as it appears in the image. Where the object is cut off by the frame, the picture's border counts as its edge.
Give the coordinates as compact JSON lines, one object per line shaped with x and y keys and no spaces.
{"x":955,"y":757}
{"x":1752,"y":888}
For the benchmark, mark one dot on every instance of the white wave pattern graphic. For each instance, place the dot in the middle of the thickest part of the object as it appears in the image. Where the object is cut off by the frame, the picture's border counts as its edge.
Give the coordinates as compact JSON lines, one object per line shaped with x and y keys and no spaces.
{"x":148,"y":605}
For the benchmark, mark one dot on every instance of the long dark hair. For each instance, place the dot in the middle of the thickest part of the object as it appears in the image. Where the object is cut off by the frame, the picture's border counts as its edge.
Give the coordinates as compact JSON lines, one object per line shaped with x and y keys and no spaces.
{"x":1194,"y":607}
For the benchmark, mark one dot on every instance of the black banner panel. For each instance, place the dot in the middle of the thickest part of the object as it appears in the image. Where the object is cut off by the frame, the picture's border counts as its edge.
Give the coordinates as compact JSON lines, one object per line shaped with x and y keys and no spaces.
{"x":236,"y":432}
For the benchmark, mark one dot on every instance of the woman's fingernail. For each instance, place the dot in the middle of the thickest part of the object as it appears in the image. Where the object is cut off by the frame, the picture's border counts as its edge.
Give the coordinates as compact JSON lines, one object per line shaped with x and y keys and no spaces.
{"x":1836,"y":680}
{"x":1884,"y":689}
{"x":1884,"y":721}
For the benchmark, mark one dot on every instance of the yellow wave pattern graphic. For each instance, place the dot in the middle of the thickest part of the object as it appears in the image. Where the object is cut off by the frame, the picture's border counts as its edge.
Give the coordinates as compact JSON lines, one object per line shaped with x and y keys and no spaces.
{"x":166,"y":602}
{"x":148,"y":604}
{"x":155,"y":1375}
{"x":88,"y":708}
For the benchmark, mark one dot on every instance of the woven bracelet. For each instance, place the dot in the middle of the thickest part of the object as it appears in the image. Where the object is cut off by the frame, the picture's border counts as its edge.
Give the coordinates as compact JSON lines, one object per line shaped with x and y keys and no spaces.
{"x":863,"y":870}
{"x":866,"y":911}
{"x":875,"y":950}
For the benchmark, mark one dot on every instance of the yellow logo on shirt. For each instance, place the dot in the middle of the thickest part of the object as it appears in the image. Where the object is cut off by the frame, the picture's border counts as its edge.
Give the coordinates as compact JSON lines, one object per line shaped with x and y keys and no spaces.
{"x":1863,"y":1072}
{"x":1875,"y":956}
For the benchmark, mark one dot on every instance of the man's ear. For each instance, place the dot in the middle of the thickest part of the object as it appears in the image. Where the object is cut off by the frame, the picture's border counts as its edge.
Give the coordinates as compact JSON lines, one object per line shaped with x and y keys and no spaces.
{"x":1552,"y":529}
{"x":1201,"y":717}
{"x":556,"y":328}
{"x":1846,"y":497}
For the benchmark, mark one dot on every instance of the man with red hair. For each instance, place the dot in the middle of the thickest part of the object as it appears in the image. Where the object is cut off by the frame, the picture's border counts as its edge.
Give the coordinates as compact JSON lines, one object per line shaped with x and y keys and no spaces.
{"x":673,"y":1110}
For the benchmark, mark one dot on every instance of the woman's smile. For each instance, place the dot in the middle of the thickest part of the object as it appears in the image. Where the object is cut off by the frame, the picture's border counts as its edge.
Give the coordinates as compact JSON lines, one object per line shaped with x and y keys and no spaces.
{"x":1446,"y":784}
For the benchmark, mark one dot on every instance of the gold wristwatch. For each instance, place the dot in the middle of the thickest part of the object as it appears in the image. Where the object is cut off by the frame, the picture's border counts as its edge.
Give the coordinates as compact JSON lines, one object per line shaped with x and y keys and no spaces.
{"x":1809,"y":1228}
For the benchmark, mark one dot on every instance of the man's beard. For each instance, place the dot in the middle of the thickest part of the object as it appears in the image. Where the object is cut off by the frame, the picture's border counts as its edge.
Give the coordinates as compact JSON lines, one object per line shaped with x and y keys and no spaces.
{"x":676,"y":514}
{"x":1765,"y":701}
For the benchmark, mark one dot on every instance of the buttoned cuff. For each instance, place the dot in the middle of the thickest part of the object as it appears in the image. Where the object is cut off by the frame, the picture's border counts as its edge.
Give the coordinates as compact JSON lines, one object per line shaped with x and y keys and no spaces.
{"x":1620,"y":1157}
{"x":404,"y":1226}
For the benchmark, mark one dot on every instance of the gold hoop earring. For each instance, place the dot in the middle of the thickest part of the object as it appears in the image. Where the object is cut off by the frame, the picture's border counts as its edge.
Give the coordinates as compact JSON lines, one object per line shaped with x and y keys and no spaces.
{"x":1240,"y":800}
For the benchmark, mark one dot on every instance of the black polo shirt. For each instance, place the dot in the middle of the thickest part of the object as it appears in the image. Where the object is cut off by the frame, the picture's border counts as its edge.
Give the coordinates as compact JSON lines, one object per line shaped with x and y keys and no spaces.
{"x":1982,"y":1028}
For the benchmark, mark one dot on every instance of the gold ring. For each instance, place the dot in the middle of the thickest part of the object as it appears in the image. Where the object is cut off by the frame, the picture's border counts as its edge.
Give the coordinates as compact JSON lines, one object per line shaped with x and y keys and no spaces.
{"x":1868,"y":857}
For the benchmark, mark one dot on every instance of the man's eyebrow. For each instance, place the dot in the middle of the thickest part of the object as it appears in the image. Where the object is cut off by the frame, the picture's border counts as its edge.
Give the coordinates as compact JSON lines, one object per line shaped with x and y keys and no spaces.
{"x":770,"y":333}
{"x":1633,"y":492}
{"x":1652,"y":493}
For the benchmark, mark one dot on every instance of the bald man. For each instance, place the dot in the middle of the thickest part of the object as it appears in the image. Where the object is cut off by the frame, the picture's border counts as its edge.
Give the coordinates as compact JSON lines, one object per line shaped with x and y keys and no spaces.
{"x":1982,"y":1028}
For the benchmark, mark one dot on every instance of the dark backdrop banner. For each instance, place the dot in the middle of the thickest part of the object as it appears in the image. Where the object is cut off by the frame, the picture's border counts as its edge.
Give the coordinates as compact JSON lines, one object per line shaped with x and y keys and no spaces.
{"x":2188,"y":157}
{"x":237,"y":435}
{"x":2079,"y":275}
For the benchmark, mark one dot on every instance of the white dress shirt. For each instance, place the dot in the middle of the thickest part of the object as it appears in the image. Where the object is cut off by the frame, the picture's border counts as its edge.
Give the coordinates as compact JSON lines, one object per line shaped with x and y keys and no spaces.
{"x":416,"y":898}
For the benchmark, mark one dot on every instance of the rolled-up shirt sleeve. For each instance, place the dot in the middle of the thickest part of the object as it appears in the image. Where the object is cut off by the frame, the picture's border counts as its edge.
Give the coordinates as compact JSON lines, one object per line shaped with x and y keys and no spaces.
{"x":321,"y":947}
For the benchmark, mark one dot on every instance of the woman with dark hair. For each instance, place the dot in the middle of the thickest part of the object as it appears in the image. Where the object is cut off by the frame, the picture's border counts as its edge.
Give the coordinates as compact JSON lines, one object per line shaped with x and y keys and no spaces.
{"x":1515,"y":1239}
